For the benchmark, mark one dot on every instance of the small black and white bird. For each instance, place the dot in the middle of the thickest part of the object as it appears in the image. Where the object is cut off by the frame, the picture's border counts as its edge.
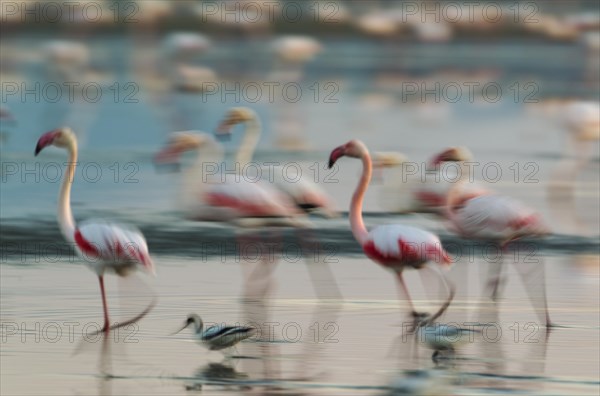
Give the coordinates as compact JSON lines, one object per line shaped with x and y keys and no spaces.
{"x":441,"y":337}
{"x":216,"y":338}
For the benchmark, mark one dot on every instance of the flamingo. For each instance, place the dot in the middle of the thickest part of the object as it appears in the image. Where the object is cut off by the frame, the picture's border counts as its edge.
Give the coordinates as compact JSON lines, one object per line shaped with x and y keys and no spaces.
{"x":104,"y":246}
{"x":305,"y":193}
{"x":224,"y":197}
{"x":498,"y":219}
{"x":229,"y":197}
{"x":396,"y":246}
{"x":425,"y":192}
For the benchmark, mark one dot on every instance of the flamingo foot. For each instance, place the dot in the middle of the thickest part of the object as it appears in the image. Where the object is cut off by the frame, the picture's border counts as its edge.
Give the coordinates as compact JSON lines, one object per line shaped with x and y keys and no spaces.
{"x":107,"y":329}
{"x":494,"y":284}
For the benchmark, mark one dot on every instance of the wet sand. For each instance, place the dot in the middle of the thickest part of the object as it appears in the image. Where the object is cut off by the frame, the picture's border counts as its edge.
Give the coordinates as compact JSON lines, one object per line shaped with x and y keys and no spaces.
{"x":364,"y":348}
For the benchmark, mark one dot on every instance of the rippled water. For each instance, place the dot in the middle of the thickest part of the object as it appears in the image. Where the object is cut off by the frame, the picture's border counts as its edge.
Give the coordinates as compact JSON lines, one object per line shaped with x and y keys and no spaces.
{"x":361,"y":349}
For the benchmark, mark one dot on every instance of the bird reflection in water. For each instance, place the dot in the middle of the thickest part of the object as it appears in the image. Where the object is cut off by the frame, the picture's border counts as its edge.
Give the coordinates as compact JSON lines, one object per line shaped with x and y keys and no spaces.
{"x":492,"y":349}
{"x":221,"y":375}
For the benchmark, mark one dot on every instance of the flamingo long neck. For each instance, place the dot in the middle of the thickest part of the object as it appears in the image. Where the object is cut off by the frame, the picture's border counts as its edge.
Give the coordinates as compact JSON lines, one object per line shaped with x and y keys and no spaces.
{"x":356,"y":219}
{"x":452,"y":199}
{"x":249,"y":142}
{"x":65,"y":216}
{"x":209,"y":158}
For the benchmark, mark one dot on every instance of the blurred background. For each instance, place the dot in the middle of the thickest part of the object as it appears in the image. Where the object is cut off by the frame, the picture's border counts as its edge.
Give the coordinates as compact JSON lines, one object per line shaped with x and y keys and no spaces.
{"x":516,"y":82}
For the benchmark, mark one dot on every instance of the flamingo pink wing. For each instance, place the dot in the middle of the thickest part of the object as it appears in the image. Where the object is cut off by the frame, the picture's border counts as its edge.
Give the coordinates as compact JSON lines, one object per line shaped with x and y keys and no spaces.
{"x":250,"y":199}
{"x":112,"y":243}
{"x":399,"y":244}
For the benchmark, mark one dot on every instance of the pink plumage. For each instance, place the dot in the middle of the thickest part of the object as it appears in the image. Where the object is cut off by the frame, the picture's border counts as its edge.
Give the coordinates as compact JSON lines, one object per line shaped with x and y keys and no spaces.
{"x":246,"y":199}
{"x":396,"y":246}
{"x":108,"y":246}
{"x":494,"y":217}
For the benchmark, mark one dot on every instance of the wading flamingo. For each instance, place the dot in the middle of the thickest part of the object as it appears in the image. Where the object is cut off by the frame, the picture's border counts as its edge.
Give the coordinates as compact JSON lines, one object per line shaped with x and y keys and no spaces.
{"x":500,"y":220}
{"x":305,"y":193}
{"x":105,"y":246}
{"x":426,"y":190}
{"x":395,"y":247}
{"x":209,"y":195}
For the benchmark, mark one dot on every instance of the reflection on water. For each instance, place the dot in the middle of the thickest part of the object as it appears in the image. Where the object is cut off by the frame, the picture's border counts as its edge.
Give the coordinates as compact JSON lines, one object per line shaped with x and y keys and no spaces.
{"x":372,"y":74}
{"x":365,"y":332}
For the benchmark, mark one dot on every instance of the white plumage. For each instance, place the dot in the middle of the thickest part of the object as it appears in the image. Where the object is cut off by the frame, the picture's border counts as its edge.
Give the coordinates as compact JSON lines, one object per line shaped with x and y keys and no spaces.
{"x":402,"y":242}
{"x":108,"y":246}
{"x":496,"y":217}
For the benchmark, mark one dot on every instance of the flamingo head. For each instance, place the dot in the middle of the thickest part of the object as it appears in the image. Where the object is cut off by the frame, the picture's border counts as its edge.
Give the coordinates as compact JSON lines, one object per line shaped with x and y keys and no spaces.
{"x":61,"y":137}
{"x":177,"y":144}
{"x":234,"y":116}
{"x":452,"y":154}
{"x":388,"y":159}
{"x":353,"y":149}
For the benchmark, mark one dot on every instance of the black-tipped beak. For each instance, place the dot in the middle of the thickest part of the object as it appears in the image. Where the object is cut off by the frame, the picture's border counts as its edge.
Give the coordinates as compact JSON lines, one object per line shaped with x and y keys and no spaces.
{"x":223,"y":132}
{"x":45,"y":140}
{"x":223,"y":136}
{"x":335,"y":155}
{"x":179,"y":331}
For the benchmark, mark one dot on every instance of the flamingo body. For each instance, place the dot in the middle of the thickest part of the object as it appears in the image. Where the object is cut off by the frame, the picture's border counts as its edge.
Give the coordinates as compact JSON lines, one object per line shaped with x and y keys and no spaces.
{"x":396,"y":246}
{"x":222,"y":197}
{"x":428,"y":191}
{"x":306,"y":194}
{"x":246,"y":199}
{"x":496,"y":217}
{"x":108,"y":246}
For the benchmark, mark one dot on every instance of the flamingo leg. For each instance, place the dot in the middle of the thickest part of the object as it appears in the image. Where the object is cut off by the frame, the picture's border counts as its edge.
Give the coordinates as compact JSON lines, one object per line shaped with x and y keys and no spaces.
{"x":451,"y":292}
{"x":495,"y":278}
{"x":319,"y":271}
{"x":259,"y":277}
{"x":534,"y":279}
{"x":404,"y":294}
{"x":104,"y":305}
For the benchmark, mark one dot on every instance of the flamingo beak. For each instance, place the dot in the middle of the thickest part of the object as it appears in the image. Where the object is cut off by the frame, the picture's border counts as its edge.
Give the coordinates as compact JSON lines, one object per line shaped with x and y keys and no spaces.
{"x":167,"y":158}
{"x":336,"y":154}
{"x":223,"y":132}
{"x":45,"y":140}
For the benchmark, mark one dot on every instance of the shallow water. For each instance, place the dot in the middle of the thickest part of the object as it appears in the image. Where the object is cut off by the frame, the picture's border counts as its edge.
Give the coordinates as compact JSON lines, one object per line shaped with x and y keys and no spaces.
{"x":45,"y":289}
{"x":364,"y":331}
